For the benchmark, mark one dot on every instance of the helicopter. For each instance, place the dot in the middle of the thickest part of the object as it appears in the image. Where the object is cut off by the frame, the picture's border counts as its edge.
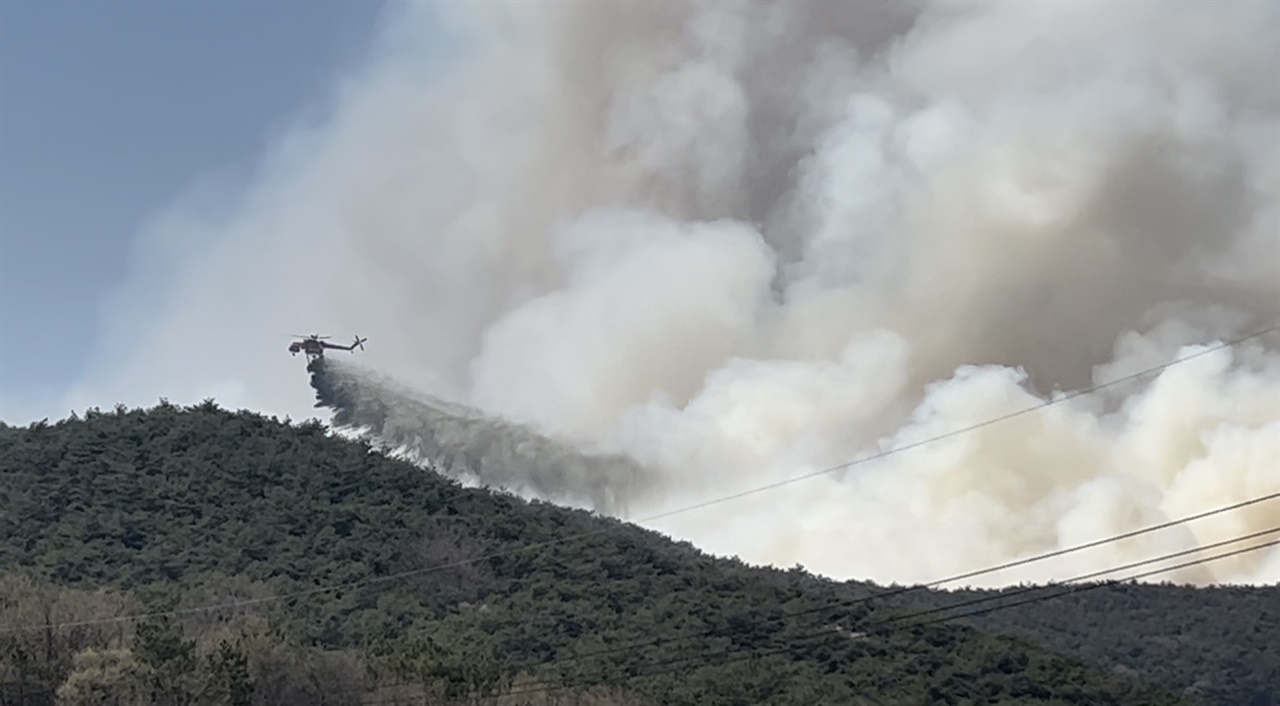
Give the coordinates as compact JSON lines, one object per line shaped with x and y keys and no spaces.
{"x":313,"y":346}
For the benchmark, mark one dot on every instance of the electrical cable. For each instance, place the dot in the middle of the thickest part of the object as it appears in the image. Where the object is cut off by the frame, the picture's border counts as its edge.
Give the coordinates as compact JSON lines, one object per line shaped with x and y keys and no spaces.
{"x":971,"y":574}
{"x":791,"y":643}
{"x":582,"y":535}
{"x":1002,"y":595}
{"x":878,"y":626}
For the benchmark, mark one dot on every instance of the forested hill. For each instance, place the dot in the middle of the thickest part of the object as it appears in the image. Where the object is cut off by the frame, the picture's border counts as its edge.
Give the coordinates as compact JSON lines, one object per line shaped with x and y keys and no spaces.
{"x":168,"y":511}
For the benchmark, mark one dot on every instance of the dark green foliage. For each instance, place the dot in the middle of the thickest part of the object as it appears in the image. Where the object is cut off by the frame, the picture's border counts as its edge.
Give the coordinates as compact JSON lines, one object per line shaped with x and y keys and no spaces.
{"x":444,"y":674}
{"x":169,"y":502}
{"x":229,"y":675}
{"x":159,"y":645}
{"x":1220,"y":645}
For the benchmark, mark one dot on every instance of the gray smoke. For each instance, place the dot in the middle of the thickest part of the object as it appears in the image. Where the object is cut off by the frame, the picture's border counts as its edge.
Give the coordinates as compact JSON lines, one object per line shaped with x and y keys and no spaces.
{"x":464,"y":444}
{"x":738,"y":242}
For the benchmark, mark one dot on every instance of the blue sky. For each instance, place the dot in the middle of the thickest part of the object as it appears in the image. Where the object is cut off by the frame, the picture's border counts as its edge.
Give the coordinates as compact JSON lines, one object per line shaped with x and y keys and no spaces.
{"x":108,"y":112}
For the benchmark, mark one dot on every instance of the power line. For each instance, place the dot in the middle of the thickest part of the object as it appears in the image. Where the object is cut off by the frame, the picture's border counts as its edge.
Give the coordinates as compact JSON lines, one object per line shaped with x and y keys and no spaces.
{"x":1096,"y":574}
{"x":582,"y":535}
{"x":712,"y":632}
{"x":1000,"y":596}
{"x":878,"y":627}
{"x":971,"y":574}
{"x":965,"y":430}
{"x":1093,"y":587}
{"x":793,"y":642}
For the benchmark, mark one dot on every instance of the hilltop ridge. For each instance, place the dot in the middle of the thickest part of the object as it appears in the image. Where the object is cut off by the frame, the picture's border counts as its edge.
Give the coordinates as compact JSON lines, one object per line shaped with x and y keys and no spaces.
{"x":148,"y":511}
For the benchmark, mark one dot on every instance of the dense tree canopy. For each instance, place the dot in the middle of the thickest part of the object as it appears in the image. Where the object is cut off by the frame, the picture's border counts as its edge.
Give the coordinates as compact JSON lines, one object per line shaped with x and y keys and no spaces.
{"x":460,"y":594}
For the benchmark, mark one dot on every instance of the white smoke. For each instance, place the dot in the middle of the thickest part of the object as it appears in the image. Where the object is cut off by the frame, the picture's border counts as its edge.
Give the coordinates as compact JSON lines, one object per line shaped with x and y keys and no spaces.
{"x":741,"y":241}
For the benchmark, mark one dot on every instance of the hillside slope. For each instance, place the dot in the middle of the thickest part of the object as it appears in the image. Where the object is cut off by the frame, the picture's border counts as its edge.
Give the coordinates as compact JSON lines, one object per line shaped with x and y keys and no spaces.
{"x":173,"y":508}
{"x":1221,"y":644}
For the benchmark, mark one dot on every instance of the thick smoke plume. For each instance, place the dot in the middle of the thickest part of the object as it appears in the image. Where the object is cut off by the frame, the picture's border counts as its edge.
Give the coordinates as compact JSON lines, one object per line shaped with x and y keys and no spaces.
{"x":464,"y":444}
{"x":737,"y":242}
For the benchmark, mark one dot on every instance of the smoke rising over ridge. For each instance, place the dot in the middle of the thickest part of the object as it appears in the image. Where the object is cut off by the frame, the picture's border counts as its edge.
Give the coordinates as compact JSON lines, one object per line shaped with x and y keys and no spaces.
{"x":739,"y":241}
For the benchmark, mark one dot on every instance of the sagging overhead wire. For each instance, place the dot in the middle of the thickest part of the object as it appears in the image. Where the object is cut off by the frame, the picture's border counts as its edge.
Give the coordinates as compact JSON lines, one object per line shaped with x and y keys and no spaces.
{"x":849,"y":603}
{"x":965,"y":430}
{"x":876,"y":627}
{"x":879,"y":626}
{"x":304,"y":593}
